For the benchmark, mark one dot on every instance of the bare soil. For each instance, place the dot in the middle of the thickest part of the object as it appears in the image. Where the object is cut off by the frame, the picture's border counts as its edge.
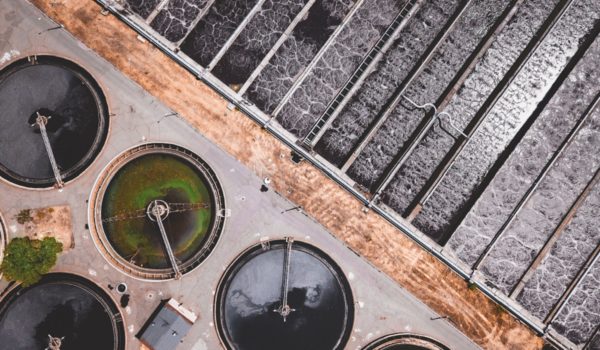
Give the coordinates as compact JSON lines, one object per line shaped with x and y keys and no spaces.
{"x":50,"y":222}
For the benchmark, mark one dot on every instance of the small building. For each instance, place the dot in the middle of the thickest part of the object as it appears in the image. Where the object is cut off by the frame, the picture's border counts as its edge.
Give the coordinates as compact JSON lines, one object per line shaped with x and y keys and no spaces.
{"x":167,"y":326}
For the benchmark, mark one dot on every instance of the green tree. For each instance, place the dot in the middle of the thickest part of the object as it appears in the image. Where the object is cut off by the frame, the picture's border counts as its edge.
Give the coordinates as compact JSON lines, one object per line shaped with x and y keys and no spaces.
{"x":26,"y":260}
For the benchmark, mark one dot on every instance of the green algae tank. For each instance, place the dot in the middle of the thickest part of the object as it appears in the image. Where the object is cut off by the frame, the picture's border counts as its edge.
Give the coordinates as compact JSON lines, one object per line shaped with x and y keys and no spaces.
{"x":185,"y":184}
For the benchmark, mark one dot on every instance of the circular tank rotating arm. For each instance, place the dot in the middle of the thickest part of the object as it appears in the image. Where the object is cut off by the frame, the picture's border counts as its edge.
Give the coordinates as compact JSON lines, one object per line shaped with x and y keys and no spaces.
{"x":41,"y":122}
{"x":158,"y":211}
{"x":285,"y":310}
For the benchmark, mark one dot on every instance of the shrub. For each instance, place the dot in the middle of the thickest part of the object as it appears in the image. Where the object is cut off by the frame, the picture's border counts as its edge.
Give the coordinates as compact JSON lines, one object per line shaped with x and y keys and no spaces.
{"x":26,"y":260}
{"x":24,"y":216}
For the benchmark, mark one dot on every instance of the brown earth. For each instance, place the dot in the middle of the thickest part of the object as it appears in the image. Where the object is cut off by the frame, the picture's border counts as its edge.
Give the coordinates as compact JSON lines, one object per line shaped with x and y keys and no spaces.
{"x":49,"y":222}
{"x":367,"y":233}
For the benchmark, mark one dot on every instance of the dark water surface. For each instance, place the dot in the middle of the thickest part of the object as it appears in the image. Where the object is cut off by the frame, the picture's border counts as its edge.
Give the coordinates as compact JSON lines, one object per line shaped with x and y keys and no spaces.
{"x":255,"y":41}
{"x":60,"y":309}
{"x":143,"y":7}
{"x":174,"y":21}
{"x":323,"y":307}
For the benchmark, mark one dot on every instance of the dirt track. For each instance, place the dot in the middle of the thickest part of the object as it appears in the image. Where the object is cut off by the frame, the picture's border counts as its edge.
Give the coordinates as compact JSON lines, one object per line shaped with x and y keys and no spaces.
{"x":366,"y":233}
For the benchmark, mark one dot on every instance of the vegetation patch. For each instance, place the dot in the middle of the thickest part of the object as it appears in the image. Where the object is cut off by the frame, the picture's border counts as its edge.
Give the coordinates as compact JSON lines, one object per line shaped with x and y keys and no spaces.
{"x":24,"y":216}
{"x":27,"y":260}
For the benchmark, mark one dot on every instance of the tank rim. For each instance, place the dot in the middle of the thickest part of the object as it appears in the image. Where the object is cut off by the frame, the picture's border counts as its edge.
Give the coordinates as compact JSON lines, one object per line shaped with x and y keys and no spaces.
{"x":414,"y":339}
{"x":3,"y":239}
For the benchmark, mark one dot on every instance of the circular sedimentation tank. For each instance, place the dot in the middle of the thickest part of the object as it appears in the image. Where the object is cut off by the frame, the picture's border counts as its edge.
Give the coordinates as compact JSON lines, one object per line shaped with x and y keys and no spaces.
{"x":406,"y":341}
{"x":76,"y":120}
{"x":284,"y":295}
{"x":152,"y":182}
{"x":68,"y":308}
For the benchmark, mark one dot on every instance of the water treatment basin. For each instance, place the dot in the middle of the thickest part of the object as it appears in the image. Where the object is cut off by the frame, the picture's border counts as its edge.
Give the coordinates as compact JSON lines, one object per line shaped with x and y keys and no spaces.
{"x":75,"y":115}
{"x":284,"y":295}
{"x":64,"y":309}
{"x":158,"y":211}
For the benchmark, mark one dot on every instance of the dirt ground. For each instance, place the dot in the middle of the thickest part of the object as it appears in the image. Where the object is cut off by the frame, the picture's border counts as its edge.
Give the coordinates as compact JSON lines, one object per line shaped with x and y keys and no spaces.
{"x":48,"y":222}
{"x":368,"y":234}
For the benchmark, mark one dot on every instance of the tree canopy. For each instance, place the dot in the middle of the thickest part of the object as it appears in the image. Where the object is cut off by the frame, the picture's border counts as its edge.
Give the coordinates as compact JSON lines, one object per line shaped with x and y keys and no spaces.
{"x":26,"y":260}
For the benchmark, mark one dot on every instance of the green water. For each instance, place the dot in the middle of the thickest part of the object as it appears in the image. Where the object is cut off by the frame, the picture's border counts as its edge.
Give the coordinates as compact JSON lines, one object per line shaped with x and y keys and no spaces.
{"x":134,"y":186}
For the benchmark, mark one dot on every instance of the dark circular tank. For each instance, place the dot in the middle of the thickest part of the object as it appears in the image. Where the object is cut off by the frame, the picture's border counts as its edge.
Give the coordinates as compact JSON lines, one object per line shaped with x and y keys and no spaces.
{"x":77,"y":120}
{"x":181,"y":184}
{"x":258,"y":310}
{"x":405,"y":341}
{"x":65,"y":307}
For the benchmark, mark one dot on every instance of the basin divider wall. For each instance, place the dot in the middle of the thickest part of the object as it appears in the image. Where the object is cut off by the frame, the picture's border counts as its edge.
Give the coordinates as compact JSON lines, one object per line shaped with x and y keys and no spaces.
{"x":354,"y":82}
{"x":238,"y":30}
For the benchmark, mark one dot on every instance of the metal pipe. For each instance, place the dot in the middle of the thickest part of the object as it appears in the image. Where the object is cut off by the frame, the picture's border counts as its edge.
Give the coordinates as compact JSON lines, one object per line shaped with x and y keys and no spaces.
{"x":394,"y":100}
{"x":389,"y":175}
{"x":496,"y":95}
